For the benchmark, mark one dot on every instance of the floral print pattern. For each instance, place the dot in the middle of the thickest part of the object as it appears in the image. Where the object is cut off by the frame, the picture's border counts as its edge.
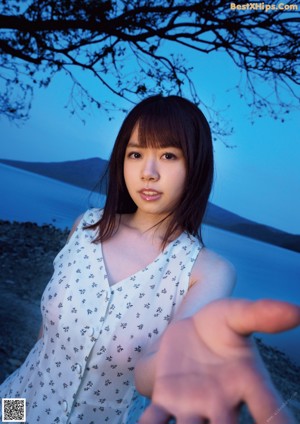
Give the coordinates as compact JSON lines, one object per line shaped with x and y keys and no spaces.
{"x":82,"y":369}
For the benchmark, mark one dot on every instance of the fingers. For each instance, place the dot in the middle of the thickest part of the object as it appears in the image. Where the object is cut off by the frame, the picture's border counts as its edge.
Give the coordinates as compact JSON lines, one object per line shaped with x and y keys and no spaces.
{"x":158,"y":415}
{"x":189,"y":420}
{"x":267,"y":316}
{"x":224,"y":417}
{"x":154,"y":414}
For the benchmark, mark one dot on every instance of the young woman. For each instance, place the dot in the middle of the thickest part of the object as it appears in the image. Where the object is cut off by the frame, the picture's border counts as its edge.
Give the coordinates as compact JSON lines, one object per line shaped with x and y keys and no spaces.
{"x":138,"y":308}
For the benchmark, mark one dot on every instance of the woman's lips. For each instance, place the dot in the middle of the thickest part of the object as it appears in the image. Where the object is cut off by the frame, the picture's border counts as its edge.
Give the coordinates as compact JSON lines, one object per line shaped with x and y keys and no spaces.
{"x":149,"y":194}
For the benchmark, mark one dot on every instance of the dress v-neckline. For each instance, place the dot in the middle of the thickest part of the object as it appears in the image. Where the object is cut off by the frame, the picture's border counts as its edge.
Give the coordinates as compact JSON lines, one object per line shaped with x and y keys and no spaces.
{"x":145,"y":268}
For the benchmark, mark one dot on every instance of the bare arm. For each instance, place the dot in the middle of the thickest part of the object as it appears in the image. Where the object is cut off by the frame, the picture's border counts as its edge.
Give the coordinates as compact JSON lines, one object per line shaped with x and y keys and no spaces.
{"x":212,"y":278}
{"x":205,"y":365}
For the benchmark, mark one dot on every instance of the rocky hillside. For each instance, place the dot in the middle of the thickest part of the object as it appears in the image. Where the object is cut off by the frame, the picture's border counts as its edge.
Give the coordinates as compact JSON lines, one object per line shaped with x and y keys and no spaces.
{"x":26,"y":254}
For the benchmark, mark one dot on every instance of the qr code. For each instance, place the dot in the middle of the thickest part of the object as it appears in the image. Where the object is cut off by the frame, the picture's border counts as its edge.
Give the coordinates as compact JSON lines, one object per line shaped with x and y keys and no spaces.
{"x":14,"y":410}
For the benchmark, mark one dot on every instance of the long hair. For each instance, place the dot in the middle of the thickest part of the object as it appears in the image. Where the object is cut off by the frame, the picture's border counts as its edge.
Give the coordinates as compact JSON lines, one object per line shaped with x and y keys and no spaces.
{"x":163,"y":121}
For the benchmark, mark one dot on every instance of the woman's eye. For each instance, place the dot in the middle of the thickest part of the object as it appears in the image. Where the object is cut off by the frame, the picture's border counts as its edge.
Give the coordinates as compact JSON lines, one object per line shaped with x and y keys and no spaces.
{"x":134,"y":155}
{"x":169,"y":156}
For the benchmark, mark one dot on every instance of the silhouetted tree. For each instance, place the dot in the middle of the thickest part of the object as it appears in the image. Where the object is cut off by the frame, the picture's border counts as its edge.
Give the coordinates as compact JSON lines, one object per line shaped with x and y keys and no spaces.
{"x":127,"y":47}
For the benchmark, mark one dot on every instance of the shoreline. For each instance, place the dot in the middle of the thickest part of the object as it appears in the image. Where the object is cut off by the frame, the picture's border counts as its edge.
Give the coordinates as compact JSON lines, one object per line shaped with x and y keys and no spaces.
{"x":27,"y":251}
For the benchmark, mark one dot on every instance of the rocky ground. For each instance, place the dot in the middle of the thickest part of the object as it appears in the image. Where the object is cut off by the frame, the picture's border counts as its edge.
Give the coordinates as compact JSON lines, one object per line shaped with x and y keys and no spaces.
{"x":26,"y":254}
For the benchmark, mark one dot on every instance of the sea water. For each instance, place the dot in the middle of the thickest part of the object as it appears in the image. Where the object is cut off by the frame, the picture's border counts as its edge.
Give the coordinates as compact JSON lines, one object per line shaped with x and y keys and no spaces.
{"x":26,"y":196}
{"x":264,"y":270}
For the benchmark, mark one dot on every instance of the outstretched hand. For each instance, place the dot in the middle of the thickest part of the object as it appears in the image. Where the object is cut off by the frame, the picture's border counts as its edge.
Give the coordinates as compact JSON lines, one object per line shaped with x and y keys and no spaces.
{"x":207,"y":366}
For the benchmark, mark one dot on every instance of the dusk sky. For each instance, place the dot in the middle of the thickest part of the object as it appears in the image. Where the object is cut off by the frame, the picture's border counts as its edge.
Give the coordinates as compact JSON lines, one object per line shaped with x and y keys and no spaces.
{"x":258,"y":179}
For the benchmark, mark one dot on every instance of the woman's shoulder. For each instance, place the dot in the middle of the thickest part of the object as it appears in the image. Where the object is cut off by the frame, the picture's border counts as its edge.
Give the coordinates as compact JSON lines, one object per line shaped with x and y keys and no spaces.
{"x":89,"y":217}
{"x":210,"y":266}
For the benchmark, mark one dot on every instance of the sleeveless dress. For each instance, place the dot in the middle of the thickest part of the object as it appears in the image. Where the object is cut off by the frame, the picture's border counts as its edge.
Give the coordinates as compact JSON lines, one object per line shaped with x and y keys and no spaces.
{"x":82,"y":369}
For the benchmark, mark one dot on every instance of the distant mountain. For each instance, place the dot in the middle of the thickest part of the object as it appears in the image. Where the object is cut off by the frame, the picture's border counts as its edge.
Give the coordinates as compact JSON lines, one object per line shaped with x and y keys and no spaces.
{"x":86,"y":173}
{"x":83,"y":173}
{"x":221,"y":218}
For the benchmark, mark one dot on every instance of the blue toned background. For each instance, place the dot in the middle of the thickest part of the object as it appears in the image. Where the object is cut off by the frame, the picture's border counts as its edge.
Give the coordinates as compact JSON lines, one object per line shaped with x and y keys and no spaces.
{"x":258,"y":179}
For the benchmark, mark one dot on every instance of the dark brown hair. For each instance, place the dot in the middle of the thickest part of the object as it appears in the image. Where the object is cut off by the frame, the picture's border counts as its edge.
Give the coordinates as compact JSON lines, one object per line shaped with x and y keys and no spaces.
{"x":163,"y":121}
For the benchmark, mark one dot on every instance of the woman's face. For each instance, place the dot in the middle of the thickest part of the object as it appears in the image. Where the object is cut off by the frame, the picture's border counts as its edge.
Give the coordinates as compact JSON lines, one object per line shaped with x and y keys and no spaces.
{"x":155,"y":177}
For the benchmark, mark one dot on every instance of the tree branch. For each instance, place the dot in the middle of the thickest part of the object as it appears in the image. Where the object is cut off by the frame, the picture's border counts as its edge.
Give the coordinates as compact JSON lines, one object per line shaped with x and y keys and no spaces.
{"x":99,"y":36}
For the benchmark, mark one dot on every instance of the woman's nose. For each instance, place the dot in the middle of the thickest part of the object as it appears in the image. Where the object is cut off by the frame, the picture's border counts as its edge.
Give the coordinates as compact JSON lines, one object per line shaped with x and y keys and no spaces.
{"x":150,"y":171}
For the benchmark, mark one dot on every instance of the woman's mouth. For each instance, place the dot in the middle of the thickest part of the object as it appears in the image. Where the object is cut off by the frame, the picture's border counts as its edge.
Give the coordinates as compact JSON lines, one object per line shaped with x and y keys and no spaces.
{"x":148,"y":194}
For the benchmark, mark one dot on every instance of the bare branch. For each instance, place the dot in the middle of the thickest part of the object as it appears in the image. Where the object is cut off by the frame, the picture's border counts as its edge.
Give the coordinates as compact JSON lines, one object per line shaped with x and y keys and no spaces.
{"x":48,"y":36}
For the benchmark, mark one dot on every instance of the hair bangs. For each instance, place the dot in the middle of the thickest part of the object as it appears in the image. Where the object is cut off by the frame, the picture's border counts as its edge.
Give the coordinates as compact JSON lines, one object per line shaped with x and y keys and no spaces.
{"x":158,"y":131}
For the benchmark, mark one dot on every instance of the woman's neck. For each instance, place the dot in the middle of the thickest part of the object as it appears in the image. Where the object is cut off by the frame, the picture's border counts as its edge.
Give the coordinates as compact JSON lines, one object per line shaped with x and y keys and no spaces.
{"x":149,"y":225}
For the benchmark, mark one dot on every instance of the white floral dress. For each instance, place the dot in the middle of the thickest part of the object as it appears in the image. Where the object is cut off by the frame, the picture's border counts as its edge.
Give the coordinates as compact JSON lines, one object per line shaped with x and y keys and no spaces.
{"x":82,"y":369}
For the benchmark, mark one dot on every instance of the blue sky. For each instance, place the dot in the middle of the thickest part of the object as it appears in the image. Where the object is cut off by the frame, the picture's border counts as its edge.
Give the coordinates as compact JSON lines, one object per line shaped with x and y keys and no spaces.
{"x":258,"y":179}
